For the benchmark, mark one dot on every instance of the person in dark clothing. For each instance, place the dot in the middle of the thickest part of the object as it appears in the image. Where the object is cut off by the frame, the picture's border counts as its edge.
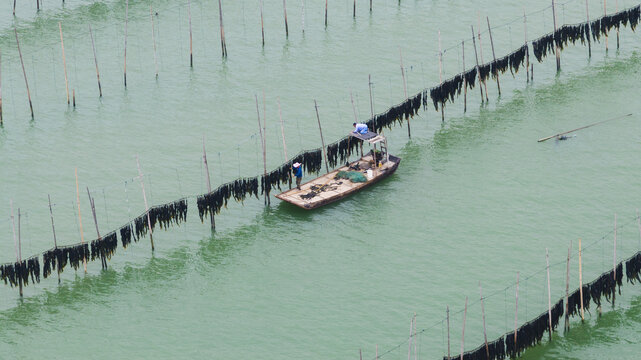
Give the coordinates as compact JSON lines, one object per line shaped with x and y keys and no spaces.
{"x":298,"y":173}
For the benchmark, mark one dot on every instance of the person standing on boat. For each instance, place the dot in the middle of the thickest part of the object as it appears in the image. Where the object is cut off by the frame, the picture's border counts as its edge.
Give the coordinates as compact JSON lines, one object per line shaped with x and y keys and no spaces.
{"x":298,"y":173}
{"x":360,"y":128}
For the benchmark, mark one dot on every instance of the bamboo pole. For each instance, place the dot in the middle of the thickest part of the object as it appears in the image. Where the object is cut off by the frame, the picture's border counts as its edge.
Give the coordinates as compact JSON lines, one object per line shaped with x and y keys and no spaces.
{"x":265,"y":141}
{"x":213,"y":222}
{"x":144,"y":196}
{"x":302,"y":15}
{"x":14,"y":8}
{"x":567,"y":289}
{"x":19,"y":251}
{"x":285,"y":12}
{"x":153,"y":38}
{"x":616,"y":10}
{"x":0,"y":92}
{"x":15,"y":244}
{"x":547,"y":262}
{"x":370,"y":5}
{"x":415,"y":341}
{"x":440,"y":73}
{"x":103,"y":260}
{"x":487,"y":349}
{"x":126,"y":21}
{"x":262,"y":24}
{"x":24,"y":72}
{"x":191,"y":48}
{"x":476,"y":55}
{"x":325,"y":14}
{"x":321,"y":135}
{"x":222,"y":29}
{"x":82,"y":234}
{"x":409,"y":131}
{"x":463,"y":336}
{"x":64,"y":60}
{"x":371,"y":99}
{"x":95,"y":58}
{"x":556,"y":46}
{"x":354,"y":16}
{"x":639,"y":226}
{"x":614,"y":261}
{"x":516,"y":309}
{"x":409,"y":349}
{"x":355,"y":117}
{"x":605,"y":12}
{"x":447,"y":311}
{"x":262,"y":142}
{"x":464,"y":80}
{"x":376,"y":351}
{"x":282,"y":129}
{"x":360,"y":353}
{"x":55,"y":242}
{"x":489,"y":29}
{"x":587,"y":13}
{"x":583,"y":127}
{"x":481,"y":50}
{"x":73,"y":91}
{"x":527,"y":54}
{"x":581,"y":282}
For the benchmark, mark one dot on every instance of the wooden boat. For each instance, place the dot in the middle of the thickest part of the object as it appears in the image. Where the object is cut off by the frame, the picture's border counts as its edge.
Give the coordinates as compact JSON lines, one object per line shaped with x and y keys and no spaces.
{"x":326,"y":188}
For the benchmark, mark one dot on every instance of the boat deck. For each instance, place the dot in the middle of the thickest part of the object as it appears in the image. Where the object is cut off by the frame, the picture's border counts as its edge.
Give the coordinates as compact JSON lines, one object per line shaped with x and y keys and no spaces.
{"x":325,"y":189}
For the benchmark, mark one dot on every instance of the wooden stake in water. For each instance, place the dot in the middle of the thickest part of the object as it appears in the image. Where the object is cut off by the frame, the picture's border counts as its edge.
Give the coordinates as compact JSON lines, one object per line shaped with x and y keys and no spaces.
{"x":126,"y":21}
{"x":527,"y":54}
{"x":614,"y":261}
{"x":320,"y":129}
{"x":516,"y":308}
{"x":15,"y":244}
{"x":587,"y":13}
{"x":222,"y":29}
{"x":463,"y":336}
{"x":282,"y":129}
{"x":354,"y":16}
{"x":213,"y":222}
{"x":487,"y":348}
{"x":464,"y":80}
{"x":556,"y":46}
{"x":616,"y":10}
{"x":153,"y":38}
{"x":476,"y":55}
{"x":581,"y":282}
{"x":371,"y":99}
{"x":567,"y":289}
{"x":409,"y":349}
{"x":447,"y":311}
{"x":489,"y":29}
{"x":55,"y":242}
{"x":440,"y":73}
{"x":0,"y":92}
{"x":82,"y":234}
{"x":262,"y":25}
{"x":144,"y":196}
{"x":302,"y":16}
{"x":262,"y":143}
{"x":285,"y":12}
{"x":64,"y":60}
{"x":547,"y":267}
{"x":409,"y":131}
{"x":481,"y":50}
{"x":325,"y":14}
{"x":191,"y":49}
{"x":73,"y":91}
{"x":95,"y":59}
{"x":605,"y":12}
{"x":103,"y":260}
{"x":24,"y":73}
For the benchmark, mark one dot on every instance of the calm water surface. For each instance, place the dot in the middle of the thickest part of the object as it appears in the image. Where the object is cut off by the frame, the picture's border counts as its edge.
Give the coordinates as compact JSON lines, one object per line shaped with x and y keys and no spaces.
{"x":476,"y":198}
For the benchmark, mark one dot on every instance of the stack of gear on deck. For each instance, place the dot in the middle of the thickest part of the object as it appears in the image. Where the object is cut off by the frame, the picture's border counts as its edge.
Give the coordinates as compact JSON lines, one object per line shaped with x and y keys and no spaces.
{"x":353,"y":176}
{"x":633,"y":268}
{"x":317,"y":189}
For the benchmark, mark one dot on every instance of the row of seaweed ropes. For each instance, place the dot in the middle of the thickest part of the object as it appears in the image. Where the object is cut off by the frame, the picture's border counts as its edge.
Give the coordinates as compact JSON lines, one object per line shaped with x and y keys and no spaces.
{"x":19,"y":272}
{"x":556,"y":41}
{"x":513,"y":343}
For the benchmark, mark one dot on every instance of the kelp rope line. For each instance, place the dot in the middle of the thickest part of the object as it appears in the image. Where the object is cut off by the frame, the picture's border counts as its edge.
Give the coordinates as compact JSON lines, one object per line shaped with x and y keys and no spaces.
{"x":562,"y":37}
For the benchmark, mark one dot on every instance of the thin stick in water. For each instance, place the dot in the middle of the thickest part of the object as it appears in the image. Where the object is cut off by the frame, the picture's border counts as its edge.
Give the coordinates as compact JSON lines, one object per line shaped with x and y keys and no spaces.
{"x":82,"y":234}
{"x":95,"y":58}
{"x":153,"y":38}
{"x":126,"y":21}
{"x":489,"y":29}
{"x":24,"y":72}
{"x":64,"y":60}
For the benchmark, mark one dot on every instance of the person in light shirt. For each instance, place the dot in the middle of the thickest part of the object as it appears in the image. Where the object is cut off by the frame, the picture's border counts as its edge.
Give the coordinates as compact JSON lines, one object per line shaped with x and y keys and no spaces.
{"x":360,"y":128}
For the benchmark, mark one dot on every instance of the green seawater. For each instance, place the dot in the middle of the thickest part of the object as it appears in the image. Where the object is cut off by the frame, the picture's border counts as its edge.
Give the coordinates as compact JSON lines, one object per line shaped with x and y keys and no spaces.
{"x":475,"y":199}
